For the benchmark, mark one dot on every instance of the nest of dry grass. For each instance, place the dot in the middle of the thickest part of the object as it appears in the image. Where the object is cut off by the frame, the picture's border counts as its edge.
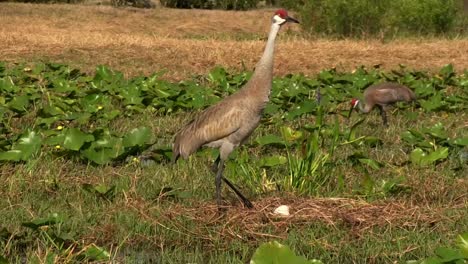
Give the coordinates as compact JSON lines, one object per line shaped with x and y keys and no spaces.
{"x":236,"y":222}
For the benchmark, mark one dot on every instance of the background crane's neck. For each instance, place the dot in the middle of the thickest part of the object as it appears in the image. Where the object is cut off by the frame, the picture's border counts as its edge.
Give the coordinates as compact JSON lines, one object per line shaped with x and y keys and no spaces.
{"x":260,"y":83}
{"x":363,"y":108}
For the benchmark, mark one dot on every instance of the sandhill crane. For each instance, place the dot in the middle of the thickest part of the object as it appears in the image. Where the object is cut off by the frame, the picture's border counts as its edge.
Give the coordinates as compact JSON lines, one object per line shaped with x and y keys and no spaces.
{"x":230,"y":122}
{"x":382,"y":95}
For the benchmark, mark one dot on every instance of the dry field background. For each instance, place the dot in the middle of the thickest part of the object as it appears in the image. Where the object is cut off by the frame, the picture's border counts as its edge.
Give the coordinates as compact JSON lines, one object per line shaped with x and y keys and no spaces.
{"x":191,"y":42}
{"x":141,"y":223}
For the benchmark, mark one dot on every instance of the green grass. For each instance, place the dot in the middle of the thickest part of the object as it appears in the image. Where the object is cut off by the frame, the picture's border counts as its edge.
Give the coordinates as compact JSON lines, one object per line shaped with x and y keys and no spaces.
{"x":137,"y":223}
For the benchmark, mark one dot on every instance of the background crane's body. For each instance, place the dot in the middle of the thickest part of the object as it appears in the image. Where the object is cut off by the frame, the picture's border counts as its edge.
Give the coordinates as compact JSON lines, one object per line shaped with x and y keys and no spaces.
{"x":230,"y":122}
{"x":382,"y":95}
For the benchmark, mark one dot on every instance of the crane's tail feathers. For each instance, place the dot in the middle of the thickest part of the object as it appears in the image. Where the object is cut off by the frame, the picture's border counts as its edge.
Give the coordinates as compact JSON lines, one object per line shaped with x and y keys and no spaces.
{"x":175,"y":153}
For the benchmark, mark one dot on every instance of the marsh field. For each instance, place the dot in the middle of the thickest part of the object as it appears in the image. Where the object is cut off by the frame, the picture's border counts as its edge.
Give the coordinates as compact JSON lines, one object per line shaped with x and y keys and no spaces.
{"x":91,"y":97}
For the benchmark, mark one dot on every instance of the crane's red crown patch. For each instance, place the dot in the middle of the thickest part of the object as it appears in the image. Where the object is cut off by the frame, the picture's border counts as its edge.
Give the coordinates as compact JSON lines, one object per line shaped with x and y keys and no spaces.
{"x":282,"y":13}
{"x":354,"y":101}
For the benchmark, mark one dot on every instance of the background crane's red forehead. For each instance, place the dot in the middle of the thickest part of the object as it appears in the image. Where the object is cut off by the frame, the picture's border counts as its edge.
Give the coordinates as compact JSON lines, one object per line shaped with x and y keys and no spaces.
{"x":282,"y":13}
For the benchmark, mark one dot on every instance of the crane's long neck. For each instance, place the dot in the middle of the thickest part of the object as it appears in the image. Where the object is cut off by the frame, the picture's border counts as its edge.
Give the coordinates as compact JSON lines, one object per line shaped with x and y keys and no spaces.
{"x":260,"y":83}
{"x":266,"y":61}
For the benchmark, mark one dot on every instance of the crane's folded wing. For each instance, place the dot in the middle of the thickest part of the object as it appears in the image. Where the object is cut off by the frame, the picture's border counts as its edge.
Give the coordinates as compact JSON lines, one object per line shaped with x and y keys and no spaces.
{"x":215,"y":123}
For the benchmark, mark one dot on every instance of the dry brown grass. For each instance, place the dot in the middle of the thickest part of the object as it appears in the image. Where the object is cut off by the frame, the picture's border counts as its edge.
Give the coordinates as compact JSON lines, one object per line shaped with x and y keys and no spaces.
{"x":250,"y":226}
{"x":188,"y":42}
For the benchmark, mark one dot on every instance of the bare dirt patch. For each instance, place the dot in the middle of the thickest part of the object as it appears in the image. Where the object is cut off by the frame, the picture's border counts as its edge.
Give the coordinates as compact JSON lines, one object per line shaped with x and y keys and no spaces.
{"x":192,"y":42}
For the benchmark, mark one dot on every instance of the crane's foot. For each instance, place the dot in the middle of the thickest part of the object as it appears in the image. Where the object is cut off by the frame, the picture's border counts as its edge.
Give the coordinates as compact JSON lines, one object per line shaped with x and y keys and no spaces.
{"x":222,"y":208}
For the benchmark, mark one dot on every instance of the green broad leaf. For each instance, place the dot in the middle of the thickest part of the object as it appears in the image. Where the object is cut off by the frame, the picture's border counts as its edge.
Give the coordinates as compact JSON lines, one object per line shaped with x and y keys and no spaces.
{"x":3,"y":260}
{"x":412,"y":137}
{"x":103,"y":73}
{"x":448,"y":254}
{"x":26,"y":146}
{"x":110,"y":115}
{"x":100,"y":157}
{"x":271,"y":109}
{"x":290,"y":134}
{"x":63,"y":86}
{"x":462,"y":242}
{"x":326,"y":76}
{"x":447,"y":71}
{"x":162,"y":153}
{"x":276,"y":253}
{"x":137,"y":137}
{"x":7,"y":85}
{"x":433,"y":103}
{"x":273,"y":161}
{"x":80,"y":117}
{"x":51,"y":220}
{"x":12,"y":155}
{"x":54,"y":140}
{"x":51,"y":110}
{"x":460,"y":141}
{"x":371,"y":163}
{"x":421,"y":158}
{"x":219,"y":76}
{"x":170,"y":192}
{"x":270,"y":140}
{"x":93,"y":103}
{"x":305,"y":107}
{"x":439,"y":154}
{"x":48,"y":121}
{"x":162,"y":94}
{"x":74,"y":139}
{"x":418,"y":157}
{"x":394,"y":186}
{"x":101,"y":190}
{"x":95,"y":253}
{"x":19,"y":103}
{"x":113,"y":145}
{"x":131,"y":95}
{"x":432,"y":260}
{"x":437,"y":131}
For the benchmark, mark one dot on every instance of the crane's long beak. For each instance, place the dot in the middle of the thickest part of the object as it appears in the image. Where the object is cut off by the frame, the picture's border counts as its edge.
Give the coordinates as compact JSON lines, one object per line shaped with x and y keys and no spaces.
{"x":350,"y":111}
{"x":293,"y":20}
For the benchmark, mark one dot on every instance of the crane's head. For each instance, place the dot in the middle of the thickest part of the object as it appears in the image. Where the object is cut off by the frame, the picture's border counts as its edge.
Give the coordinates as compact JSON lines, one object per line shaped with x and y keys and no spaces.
{"x":354,"y":103}
{"x":281,"y":17}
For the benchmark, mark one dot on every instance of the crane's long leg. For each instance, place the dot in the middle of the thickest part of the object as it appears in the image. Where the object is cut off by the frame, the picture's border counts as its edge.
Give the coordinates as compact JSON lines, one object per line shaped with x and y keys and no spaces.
{"x":245,"y":201}
{"x":214,"y":168}
{"x":219,"y":176}
{"x":384,"y":115}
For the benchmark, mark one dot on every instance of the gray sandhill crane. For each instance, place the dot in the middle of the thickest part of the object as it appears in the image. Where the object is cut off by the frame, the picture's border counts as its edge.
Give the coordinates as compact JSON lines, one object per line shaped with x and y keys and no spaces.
{"x":382,"y":95}
{"x":230,"y":122}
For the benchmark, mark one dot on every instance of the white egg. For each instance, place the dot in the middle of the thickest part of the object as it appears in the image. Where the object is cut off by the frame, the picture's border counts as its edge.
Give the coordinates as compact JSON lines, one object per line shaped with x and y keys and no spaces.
{"x":282,"y":210}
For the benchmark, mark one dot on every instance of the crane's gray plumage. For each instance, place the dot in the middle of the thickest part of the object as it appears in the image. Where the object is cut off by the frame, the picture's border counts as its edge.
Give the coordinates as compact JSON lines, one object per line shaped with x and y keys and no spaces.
{"x":382,"y":95}
{"x":230,"y":122}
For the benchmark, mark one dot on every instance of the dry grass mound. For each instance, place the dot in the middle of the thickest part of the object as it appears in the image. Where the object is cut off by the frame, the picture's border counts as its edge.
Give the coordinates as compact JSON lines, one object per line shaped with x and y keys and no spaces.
{"x":237,"y":222}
